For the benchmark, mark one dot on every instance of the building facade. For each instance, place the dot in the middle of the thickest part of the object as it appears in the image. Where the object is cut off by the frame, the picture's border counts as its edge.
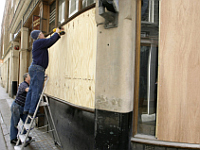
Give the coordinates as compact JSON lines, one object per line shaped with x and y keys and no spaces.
{"x":124,"y":76}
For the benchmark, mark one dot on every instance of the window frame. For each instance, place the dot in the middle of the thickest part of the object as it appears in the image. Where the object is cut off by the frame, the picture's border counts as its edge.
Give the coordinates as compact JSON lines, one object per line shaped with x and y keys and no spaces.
{"x":62,"y":13}
{"x":67,"y":16}
{"x":54,"y":15}
{"x":87,"y":4}
{"x":75,"y":11}
{"x":137,"y":69}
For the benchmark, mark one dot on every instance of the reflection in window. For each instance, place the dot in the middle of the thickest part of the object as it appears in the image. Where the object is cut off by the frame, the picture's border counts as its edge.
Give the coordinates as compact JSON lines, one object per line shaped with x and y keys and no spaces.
{"x":52,"y":16}
{"x":61,"y":12}
{"x":148,"y":68}
{"x":73,"y":7}
{"x":86,"y":3}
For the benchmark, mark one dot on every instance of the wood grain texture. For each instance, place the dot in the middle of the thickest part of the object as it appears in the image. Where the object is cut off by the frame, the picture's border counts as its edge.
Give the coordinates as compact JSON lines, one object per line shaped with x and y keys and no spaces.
{"x":179,"y":69}
{"x":73,"y":62}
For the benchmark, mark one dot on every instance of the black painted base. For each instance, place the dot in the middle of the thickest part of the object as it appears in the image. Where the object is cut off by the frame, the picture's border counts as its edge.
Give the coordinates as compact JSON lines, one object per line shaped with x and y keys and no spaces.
{"x":75,"y":127}
{"x":112,"y":130}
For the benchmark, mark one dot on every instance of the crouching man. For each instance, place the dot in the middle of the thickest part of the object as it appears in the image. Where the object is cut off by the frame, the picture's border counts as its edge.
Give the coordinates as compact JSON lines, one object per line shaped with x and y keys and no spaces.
{"x":17,"y":109}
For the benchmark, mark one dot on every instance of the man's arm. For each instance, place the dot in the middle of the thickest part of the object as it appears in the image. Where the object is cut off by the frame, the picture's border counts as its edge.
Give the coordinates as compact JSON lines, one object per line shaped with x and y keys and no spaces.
{"x":48,"y":42}
{"x":22,"y":87}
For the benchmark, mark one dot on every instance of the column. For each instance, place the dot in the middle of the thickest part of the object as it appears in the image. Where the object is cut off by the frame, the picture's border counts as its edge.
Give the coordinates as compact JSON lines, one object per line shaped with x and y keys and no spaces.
{"x":24,"y":53}
{"x":14,"y":61}
{"x":114,"y":89}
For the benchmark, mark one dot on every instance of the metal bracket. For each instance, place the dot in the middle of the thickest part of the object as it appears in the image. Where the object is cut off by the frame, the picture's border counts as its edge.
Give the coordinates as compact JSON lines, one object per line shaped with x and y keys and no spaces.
{"x":111,"y":14}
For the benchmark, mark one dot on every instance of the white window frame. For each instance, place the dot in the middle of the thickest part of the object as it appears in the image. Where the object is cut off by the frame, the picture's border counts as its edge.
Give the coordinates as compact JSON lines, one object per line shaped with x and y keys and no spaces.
{"x":76,"y":10}
{"x":62,"y":14}
{"x":86,"y":5}
{"x":11,"y":3}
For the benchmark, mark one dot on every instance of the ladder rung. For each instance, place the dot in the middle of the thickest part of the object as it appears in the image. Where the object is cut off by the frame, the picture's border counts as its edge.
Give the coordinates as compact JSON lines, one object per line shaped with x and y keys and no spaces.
{"x":18,"y":147}
{"x":31,"y":117}
{"x":45,"y":132}
{"x":42,"y":126}
{"x":28,"y":126}
{"x":42,"y":103}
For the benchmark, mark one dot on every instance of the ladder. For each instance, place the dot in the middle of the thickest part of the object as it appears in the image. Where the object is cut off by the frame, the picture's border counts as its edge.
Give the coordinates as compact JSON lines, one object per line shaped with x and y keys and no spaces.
{"x":30,"y":121}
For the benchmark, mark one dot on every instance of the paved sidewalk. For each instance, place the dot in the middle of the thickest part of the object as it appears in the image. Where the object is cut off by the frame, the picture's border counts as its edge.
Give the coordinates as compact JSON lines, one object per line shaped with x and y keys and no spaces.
{"x":41,"y":140}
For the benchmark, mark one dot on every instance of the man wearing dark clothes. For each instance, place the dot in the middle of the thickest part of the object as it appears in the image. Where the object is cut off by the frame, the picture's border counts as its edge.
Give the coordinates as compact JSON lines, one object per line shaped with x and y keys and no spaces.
{"x":38,"y":66}
{"x":18,"y":107}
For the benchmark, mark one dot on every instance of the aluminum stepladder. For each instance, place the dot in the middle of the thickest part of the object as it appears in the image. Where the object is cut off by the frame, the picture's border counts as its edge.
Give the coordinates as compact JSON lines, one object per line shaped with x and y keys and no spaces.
{"x":30,"y":120}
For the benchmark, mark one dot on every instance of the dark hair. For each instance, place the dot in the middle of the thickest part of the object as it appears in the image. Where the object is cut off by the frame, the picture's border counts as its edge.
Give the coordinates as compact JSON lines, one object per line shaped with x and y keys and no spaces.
{"x":25,"y":76}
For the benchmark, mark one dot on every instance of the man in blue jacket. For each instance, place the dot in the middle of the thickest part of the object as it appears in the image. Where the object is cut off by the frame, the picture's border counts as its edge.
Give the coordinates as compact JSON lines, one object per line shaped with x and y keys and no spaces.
{"x":40,"y":60}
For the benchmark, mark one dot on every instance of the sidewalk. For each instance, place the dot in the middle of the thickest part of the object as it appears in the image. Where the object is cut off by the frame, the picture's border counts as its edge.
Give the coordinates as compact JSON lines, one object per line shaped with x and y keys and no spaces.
{"x":41,"y":141}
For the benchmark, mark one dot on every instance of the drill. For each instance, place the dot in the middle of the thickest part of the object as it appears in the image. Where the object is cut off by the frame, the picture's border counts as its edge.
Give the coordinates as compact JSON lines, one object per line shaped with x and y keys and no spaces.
{"x":61,"y":32}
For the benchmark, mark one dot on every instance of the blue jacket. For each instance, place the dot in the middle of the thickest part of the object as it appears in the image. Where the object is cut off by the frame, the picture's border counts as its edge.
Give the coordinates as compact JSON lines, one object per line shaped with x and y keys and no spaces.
{"x":40,"y":47}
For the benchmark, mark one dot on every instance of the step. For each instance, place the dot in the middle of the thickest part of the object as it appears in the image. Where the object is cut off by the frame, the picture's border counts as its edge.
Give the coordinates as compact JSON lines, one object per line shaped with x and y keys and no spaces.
{"x":28,"y":126}
{"x":42,"y":103}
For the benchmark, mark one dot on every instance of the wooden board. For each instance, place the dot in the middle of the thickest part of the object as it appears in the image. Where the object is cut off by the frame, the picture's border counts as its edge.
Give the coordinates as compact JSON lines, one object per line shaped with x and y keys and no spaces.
{"x":179,"y":69}
{"x":72,"y":62}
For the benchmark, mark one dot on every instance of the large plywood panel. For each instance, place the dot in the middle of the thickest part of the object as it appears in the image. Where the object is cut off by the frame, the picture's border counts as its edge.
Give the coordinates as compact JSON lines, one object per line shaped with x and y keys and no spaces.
{"x":179,"y":69}
{"x":73,"y":62}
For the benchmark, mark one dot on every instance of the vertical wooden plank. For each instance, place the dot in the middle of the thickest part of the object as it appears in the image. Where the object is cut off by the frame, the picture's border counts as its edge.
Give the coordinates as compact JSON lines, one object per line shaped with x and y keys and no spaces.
{"x":179,"y":68}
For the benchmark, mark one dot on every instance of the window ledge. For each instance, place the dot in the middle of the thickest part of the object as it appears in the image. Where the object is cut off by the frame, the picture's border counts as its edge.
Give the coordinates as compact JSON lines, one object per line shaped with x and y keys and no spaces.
{"x":151,"y":140}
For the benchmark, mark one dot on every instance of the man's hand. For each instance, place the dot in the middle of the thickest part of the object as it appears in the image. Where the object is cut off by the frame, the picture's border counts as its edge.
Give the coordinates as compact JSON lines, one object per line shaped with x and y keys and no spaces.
{"x":26,"y":89}
{"x":58,"y":30}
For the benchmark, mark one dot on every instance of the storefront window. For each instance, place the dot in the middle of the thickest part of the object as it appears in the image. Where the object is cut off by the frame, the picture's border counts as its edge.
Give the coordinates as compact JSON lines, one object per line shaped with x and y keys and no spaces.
{"x":86,"y":3}
{"x":73,"y":7}
{"x":148,"y":67}
{"x":61,"y":12}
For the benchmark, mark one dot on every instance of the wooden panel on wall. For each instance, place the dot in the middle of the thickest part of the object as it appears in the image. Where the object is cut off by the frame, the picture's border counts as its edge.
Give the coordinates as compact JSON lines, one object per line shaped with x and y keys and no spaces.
{"x":72,"y":62}
{"x":178,"y":117}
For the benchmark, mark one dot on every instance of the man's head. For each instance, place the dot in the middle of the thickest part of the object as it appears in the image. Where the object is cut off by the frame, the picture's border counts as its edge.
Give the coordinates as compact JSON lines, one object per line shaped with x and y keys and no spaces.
{"x":27,"y":78}
{"x":37,"y":34}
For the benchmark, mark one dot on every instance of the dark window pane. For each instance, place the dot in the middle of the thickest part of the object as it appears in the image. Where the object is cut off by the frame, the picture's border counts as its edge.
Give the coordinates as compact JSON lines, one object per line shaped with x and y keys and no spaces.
{"x":148,"y":67}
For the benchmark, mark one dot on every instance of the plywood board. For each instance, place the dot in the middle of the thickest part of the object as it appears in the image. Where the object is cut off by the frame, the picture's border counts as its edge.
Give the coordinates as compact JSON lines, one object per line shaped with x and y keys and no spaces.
{"x":72,"y":62}
{"x":179,"y":69}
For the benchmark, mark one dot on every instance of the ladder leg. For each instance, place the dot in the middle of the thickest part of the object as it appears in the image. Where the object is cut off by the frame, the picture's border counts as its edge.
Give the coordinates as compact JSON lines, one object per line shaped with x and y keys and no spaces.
{"x":54,"y":127}
{"x":50,"y":122}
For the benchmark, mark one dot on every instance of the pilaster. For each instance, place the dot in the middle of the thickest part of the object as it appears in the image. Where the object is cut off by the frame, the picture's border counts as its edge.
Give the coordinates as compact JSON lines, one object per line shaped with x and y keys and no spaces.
{"x":24,"y":54}
{"x":14,"y":62}
{"x":114,"y":88}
